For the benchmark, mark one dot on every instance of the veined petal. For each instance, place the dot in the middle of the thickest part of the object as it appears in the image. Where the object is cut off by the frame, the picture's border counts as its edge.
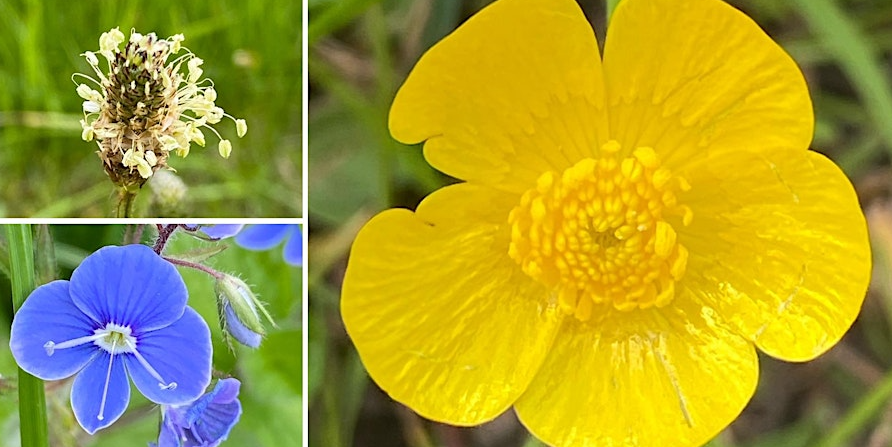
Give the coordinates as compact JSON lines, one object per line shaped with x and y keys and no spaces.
{"x":225,"y":391}
{"x":213,"y":415}
{"x":216,"y":423}
{"x":780,"y":249}
{"x":262,"y":236}
{"x":515,"y":91}
{"x":666,"y":377}
{"x":294,"y":248}
{"x":684,"y":88}
{"x":90,"y":386}
{"x":444,"y":321}
{"x":205,"y":422}
{"x":179,"y":353}
{"x":49,"y":315}
{"x":130,"y":286}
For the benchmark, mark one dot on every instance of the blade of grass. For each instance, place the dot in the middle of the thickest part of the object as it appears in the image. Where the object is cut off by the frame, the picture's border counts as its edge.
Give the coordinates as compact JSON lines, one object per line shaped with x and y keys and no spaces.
{"x":854,"y":52}
{"x":860,"y":415}
{"x":32,"y":402}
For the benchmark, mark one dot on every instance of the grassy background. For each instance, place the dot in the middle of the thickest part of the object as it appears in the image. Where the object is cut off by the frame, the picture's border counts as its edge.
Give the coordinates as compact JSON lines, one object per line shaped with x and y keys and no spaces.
{"x":361,"y":50}
{"x":271,"y":375}
{"x":252,"y":51}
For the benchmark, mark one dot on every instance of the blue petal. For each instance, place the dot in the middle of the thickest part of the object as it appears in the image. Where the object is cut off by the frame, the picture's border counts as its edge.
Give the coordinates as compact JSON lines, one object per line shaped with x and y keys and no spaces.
{"x":221,"y":231}
{"x":49,"y":314}
{"x":205,"y":422}
{"x":262,"y":237}
{"x":180,"y":353}
{"x":168,"y":437}
{"x":216,"y":422}
{"x":86,"y":393}
{"x":238,"y":330}
{"x":294,"y":248}
{"x":130,"y":286}
{"x":225,"y":391}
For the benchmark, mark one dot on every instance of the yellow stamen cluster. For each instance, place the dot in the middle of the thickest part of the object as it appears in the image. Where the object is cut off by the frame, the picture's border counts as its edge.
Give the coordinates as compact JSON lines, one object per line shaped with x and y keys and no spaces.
{"x":598,"y":233}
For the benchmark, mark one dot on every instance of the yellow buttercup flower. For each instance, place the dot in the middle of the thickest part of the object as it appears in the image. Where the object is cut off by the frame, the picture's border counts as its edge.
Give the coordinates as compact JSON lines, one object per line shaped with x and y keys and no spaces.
{"x":627,"y":232}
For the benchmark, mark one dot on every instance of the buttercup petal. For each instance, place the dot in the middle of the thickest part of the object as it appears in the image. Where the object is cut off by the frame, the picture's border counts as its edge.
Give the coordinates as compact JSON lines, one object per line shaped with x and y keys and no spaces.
{"x":685,"y":88}
{"x":130,"y":286}
{"x":442,"y":319}
{"x":660,"y":377}
{"x":180,"y":353}
{"x":49,"y":315}
{"x":88,"y":388}
{"x":780,"y":249}
{"x":262,"y":237}
{"x":492,"y":109}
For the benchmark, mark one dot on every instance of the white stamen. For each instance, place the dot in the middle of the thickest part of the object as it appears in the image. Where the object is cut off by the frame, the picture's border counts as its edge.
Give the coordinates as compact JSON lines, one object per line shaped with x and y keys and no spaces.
{"x":51,"y":346}
{"x":145,"y":364}
{"x":111,"y":360}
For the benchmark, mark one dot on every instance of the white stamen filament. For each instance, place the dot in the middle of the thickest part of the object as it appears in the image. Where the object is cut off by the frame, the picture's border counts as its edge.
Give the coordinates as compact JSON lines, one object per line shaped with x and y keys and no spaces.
{"x":145,"y":364}
{"x":51,"y":346}
{"x":111,"y":360}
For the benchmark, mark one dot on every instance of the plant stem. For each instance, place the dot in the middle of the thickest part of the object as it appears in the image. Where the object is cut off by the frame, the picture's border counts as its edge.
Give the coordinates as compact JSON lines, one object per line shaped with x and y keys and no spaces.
{"x":196,"y":266}
{"x":125,"y":203}
{"x":32,"y":402}
{"x":164,"y":232}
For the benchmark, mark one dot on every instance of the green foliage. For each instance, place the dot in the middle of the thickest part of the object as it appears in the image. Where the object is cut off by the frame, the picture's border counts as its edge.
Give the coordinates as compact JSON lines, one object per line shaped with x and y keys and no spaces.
{"x":252,"y":51}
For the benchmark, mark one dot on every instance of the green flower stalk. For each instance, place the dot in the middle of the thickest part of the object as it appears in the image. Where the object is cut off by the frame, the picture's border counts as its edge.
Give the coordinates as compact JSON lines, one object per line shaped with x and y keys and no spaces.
{"x":145,"y":108}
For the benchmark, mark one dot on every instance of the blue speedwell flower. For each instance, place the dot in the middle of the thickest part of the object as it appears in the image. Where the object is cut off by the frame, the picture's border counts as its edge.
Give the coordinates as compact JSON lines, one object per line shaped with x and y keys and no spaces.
{"x":205,"y":422}
{"x":123,"y":313}
{"x":264,"y":237}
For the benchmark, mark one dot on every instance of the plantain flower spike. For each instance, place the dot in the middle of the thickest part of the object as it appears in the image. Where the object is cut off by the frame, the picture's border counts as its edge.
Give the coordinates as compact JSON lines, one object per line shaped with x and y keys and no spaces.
{"x":141,"y":107}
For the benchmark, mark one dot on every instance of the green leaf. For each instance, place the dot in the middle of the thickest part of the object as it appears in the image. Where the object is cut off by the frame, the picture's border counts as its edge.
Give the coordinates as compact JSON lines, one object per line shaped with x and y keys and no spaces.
{"x":32,"y":403}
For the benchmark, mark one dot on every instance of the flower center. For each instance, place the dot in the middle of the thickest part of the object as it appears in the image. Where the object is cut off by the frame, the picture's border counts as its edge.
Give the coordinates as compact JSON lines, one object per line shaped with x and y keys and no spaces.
{"x":598,"y":232}
{"x":114,"y":339}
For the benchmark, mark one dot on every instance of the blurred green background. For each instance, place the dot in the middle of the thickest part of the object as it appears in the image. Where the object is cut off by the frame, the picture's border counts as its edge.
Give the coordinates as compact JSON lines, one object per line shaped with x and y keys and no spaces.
{"x":360,"y":52}
{"x":252,"y":51}
{"x":271,"y":375}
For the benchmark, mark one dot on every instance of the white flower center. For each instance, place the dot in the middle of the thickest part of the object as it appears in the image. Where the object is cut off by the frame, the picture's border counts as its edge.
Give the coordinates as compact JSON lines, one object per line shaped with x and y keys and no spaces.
{"x":113,"y":339}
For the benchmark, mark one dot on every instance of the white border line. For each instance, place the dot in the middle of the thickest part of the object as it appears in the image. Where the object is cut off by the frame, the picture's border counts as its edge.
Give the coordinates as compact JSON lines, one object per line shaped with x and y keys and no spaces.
{"x":305,"y":145}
